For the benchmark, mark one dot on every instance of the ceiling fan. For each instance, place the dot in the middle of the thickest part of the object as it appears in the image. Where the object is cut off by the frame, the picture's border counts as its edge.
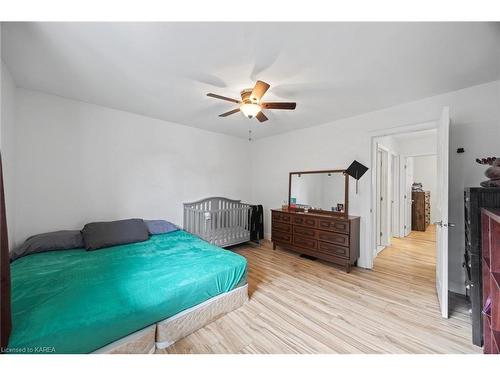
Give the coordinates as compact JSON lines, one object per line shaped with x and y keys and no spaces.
{"x":250,"y":103}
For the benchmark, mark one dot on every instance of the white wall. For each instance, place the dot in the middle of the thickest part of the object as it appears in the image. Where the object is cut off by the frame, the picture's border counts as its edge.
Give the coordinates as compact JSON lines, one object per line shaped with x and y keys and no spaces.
{"x":7,"y":146}
{"x":475,"y":115}
{"x":425,"y":171}
{"x":420,"y":143}
{"x":78,"y":162}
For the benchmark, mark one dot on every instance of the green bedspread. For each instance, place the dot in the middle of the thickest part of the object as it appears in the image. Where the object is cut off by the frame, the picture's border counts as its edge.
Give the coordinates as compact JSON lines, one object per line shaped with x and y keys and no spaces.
{"x":76,"y":301}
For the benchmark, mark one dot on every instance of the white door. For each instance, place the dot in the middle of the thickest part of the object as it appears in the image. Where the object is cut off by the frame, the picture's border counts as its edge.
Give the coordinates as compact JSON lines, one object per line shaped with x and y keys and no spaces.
{"x":394,"y":196}
{"x":408,"y":201}
{"x":442,"y":225}
{"x":384,"y":200}
{"x":379,"y":206}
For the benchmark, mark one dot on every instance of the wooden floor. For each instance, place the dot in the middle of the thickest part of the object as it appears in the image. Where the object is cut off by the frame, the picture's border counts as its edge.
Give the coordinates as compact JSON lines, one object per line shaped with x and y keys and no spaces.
{"x":302,"y":306}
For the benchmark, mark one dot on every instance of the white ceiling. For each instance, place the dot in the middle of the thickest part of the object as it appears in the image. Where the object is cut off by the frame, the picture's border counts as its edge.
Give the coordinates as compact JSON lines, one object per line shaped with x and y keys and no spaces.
{"x":332,"y":70}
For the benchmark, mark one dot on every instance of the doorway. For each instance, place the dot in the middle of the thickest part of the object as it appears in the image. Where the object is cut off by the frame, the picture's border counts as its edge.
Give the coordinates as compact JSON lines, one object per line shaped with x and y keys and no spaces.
{"x":422,"y":153}
{"x":405,"y":170}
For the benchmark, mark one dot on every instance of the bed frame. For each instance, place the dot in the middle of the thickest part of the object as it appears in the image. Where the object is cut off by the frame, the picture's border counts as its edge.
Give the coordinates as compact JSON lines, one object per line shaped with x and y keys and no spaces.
{"x":166,"y":332}
{"x":220,"y":221}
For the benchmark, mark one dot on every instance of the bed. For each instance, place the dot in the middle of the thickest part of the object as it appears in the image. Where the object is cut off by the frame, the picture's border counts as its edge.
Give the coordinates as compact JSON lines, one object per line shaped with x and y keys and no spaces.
{"x":123,"y":299}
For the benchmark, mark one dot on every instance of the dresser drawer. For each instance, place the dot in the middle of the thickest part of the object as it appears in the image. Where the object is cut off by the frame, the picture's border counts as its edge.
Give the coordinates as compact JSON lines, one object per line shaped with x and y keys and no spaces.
{"x":282,"y":227}
{"x":305,"y":221}
{"x":331,"y":249}
{"x":335,"y":238}
{"x":281,"y":236}
{"x":280,"y":216}
{"x":304,"y":231}
{"x":308,"y":243}
{"x":334,"y":225}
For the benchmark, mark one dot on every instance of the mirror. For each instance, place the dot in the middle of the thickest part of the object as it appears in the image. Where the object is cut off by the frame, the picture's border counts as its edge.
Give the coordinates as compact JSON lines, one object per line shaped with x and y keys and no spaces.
{"x":319,"y":191}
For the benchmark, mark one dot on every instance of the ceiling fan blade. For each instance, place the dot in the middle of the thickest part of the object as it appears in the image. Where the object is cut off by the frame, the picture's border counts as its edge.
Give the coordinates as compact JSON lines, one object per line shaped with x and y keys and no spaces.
{"x":261,"y":117}
{"x":230,"y":112}
{"x":223,"y":98}
{"x":279,"y":105}
{"x":259,"y":90}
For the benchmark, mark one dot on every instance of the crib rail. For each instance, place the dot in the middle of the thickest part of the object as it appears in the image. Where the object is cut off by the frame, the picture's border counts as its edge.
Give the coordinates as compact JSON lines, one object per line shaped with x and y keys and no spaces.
{"x":220,"y":221}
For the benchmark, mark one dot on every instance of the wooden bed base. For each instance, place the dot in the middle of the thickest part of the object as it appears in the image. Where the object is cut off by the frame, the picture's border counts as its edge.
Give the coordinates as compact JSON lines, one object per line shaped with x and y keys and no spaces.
{"x":166,"y":332}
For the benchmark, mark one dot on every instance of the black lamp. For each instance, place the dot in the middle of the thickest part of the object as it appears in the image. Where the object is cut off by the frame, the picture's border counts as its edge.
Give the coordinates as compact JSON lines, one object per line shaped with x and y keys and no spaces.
{"x":356,"y":170}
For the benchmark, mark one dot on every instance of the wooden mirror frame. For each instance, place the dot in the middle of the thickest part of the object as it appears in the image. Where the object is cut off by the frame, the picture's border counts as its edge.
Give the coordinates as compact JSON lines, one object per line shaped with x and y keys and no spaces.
{"x":324,"y":212}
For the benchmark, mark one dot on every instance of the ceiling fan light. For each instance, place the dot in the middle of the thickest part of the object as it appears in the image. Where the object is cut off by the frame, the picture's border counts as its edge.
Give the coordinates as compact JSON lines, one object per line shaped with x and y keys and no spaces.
{"x":250,"y":109}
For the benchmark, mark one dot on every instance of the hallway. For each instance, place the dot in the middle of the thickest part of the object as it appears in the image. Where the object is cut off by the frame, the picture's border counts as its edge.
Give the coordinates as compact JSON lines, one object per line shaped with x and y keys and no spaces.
{"x":414,"y":254}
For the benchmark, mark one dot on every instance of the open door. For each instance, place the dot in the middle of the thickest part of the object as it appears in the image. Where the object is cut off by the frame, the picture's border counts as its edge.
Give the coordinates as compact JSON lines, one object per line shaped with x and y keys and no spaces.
{"x":442,"y":225}
{"x":378,"y":193}
{"x":383,"y":229}
{"x":394,"y":196}
{"x":408,"y":201}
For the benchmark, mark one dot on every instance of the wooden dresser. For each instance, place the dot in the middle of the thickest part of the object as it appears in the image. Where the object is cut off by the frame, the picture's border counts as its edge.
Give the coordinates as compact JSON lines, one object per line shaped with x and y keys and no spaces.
{"x":421,"y":210}
{"x":331,"y":238}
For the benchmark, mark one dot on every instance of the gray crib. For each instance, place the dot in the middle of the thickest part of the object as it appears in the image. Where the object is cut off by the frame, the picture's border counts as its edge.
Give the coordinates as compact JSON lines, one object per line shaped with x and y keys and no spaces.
{"x":220,"y":221}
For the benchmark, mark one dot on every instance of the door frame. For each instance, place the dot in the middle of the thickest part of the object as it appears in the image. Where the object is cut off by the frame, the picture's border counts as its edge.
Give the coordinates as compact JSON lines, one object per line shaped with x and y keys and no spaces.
{"x":373,"y":189}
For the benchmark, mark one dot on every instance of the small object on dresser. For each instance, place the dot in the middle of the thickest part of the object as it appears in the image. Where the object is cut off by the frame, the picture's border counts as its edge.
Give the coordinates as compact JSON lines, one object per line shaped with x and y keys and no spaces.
{"x":284,"y":205}
{"x":493,"y":172}
{"x":417,"y":186}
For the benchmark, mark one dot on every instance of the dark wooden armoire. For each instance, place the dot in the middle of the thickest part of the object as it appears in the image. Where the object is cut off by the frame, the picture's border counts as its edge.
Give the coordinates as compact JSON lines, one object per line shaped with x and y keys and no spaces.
{"x":420,"y":210}
{"x":476,"y":198}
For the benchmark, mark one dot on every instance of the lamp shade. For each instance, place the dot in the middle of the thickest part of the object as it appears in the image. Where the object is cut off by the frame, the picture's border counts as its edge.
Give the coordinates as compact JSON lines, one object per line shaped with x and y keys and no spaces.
{"x":250,"y":109}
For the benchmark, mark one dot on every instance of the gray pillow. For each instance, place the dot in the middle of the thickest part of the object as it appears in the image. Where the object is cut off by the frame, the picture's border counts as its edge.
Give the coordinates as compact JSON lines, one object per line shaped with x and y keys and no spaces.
{"x":111,"y":233}
{"x":60,"y":240}
{"x":160,"y":226}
